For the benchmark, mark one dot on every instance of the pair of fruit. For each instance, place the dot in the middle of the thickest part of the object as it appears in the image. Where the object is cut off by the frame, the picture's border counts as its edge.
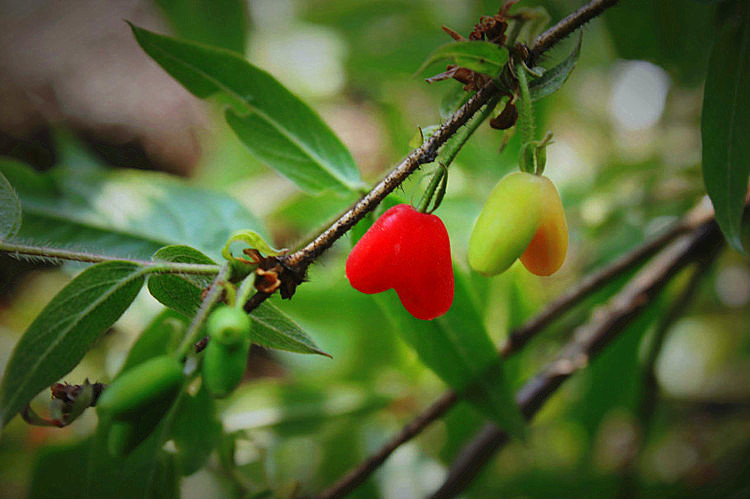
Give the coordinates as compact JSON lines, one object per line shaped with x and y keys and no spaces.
{"x":409,"y":251}
{"x":138,"y":399}
{"x":225,"y":357}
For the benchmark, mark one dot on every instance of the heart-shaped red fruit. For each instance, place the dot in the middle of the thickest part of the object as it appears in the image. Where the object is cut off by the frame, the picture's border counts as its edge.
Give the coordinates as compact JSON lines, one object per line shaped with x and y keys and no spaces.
{"x":410,"y":252}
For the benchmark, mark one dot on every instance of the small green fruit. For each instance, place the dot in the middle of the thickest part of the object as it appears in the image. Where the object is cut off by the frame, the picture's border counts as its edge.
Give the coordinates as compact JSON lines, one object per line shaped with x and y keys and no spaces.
{"x":228,"y":325}
{"x":140,"y":387}
{"x":224,"y":366}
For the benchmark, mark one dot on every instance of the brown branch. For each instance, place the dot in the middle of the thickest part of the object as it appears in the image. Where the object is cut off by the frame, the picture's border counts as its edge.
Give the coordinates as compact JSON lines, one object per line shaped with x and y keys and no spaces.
{"x":359,"y":474}
{"x":649,"y":397}
{"x":516,"y":340}
{"x":427,"y":153}
{"x":552,"y":36}
{"x":587,"y":341}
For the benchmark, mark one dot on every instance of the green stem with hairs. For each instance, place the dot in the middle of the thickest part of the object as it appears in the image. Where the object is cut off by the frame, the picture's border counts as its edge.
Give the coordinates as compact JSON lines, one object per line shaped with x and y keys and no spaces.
{"x":452,"y":147}
{"x":212,"y":297}
{"x":525,"y":109}
{"x":57,"y":254}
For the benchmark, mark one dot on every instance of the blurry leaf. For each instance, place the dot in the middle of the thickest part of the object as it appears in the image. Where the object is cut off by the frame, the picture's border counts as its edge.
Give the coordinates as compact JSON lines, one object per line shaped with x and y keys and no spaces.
{"x":457,"y":348}
{"x":725,"y":128}
{"x":422,"y":135}
{"x":272,"y":404}
{"x":222,"y":23}
{"x":552,"y":79}
{"x":274,"y":329}
{"x":57,"y":470}
{"x":64,"y":331}
{"x":161,"y":337}
{"x":180,"y":292}
{"x":253,"y":240}
{"x":274,"y":124}
{"x":452,"y":100}
{"x":673,"y":34}
{"x":10,"y":210}
{"x":484,"y":57}
{"x":196,"y":431}
{"x":127,"y":213}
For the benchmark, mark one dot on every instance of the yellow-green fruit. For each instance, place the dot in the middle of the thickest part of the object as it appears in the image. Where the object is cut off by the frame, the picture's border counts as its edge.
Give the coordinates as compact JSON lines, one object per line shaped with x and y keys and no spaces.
{"x":224,"y":366}
{"x":140,"y":387}
{"x":507,"y":223}
{"x":546,"y":252}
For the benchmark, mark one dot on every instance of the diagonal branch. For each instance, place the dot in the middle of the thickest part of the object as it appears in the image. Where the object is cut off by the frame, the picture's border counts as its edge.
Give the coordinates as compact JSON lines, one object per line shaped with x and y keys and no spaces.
{"x":587,"y":341}
{"x":567,"y":26}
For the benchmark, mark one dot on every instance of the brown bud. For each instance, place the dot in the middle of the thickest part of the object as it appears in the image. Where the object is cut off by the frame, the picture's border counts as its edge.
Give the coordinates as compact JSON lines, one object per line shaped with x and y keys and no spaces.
{"x":507,"y":117}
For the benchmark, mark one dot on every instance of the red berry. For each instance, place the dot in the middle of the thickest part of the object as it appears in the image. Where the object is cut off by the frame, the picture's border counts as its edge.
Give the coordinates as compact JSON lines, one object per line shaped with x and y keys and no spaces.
{"x":410,"y":252}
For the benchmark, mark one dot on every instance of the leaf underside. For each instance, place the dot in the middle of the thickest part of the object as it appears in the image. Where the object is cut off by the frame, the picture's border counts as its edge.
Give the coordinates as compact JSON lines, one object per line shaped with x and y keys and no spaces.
{"x":65,"y":330}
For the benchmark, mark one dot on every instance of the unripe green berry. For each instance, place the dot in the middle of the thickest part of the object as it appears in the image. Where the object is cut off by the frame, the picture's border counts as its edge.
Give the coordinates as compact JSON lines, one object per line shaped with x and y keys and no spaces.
{"x":228,"y":325}
{"x":224,"y":367}
{"x":140,"y":387}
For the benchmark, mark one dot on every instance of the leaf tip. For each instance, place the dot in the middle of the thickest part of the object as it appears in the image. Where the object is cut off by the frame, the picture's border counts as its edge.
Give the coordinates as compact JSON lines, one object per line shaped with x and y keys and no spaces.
{"x":324,"y":354}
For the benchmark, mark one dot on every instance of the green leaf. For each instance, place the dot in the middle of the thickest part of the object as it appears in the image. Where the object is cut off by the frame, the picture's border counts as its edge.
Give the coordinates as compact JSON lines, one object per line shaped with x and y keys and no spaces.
{"x":458,"y":349}
{"x":65,"y":330}
{"x":10,"y":210}
{"x":725,"y":128}
{"x":222,"y":23}
{"x":161,"y":337}
{"x":274,"y":124}
{"x":180,"y":292}
{"x":253,"y":240}
{"x":674,"y":34}
{"x":196,"y":431}
{"x":54,"y":466}
{"x":122,"y":213}
{"x":274,"y":329}
{"x":484,"y":57}
{"x":552,"y":79}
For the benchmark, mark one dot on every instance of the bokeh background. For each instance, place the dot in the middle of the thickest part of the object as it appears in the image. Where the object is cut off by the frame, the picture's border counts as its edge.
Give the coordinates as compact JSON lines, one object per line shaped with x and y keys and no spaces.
{"x":76,"y":90}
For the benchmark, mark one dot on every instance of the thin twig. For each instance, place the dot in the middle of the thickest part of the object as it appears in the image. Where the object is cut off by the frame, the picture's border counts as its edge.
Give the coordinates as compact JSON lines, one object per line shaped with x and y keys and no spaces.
{"x":568,"y":25}
{"x":214,"y":294}
{"x":520,"y":336}
{"x":587,"y":341}
{"x":359,"y":474}
{"x":59,"y":255}
{"x":650,"y":394}
{"x":515,"y":341}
